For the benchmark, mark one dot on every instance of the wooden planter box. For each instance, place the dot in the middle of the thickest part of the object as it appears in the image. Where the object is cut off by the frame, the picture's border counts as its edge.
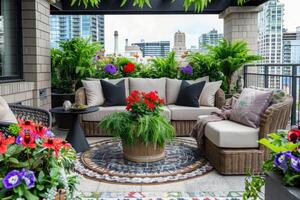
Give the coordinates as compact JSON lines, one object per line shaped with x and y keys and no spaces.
{"x":276,"y":191}
{"x":140,"y":152}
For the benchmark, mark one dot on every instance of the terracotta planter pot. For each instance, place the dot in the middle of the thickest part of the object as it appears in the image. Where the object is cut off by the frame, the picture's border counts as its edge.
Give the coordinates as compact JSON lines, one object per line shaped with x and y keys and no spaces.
{"x":140,"y":152}
{"x":60,"y":195}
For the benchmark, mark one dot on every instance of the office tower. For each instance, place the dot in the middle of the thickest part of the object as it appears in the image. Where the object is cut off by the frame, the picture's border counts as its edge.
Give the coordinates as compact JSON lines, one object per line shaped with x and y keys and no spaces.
{"x":179,"y":44}
{"x":211,"y":38}
{"x":270,"y":39}
{"x":65,"y":27}
{"x":154,"y":49}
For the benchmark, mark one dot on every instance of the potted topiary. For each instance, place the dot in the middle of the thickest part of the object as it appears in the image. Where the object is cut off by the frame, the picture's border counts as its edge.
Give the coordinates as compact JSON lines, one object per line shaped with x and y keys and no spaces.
{"x":143,"y":130}
{"x":70,"y":63}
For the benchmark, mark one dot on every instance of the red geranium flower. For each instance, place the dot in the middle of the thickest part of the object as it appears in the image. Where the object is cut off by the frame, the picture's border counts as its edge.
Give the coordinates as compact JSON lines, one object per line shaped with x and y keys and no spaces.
{"x":4,"y":142}
{"x":28,"y":139}
{"x":40,"y":130}
{"x":294,"y":135}
{"x":129,"y":68}
{"x":26,"y":125}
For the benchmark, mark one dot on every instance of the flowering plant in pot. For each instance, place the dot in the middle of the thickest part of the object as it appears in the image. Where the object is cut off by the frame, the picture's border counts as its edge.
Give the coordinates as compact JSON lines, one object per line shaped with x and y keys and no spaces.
{"x":282,"y":168}
{"x":143,"y":129}
{"x":34,"y":164}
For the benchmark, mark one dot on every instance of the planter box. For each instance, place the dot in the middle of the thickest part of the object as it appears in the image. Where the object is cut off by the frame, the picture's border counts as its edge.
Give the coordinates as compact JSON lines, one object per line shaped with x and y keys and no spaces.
{"x":276,"y":191}
{"x":140,"y":152}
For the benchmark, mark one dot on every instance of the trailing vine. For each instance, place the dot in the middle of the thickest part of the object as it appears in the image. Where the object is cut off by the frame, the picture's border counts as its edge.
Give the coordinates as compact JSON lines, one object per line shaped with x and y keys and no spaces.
{"x":199,"y":5}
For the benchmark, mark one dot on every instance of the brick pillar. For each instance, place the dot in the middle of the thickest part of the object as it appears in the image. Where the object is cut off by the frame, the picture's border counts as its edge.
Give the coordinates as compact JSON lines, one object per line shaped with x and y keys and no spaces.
{"x":242,"y":23}
{"x":36,"y":49}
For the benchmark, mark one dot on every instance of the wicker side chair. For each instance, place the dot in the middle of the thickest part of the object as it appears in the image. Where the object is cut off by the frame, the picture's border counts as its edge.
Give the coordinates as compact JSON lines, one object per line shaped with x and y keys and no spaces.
{"x":30,"y":113}
{"x":230,"y":161}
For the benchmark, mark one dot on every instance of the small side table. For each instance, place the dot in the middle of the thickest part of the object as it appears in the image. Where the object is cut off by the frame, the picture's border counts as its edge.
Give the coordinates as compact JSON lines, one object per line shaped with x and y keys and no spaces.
{"x":76,"y":135}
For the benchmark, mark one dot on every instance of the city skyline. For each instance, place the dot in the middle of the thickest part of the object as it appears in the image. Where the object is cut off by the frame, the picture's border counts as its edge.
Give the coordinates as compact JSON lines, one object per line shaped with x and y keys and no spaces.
{"x":162,"y":27}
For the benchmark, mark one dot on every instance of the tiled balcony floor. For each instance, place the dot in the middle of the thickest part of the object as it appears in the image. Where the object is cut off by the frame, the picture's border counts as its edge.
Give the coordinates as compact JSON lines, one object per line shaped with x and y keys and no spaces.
{"x":212,"y":181}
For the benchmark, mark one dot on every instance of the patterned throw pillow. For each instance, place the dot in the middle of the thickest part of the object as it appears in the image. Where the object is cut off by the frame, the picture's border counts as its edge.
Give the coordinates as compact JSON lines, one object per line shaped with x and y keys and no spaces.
{"x":249,"y":106}
{"x":278,"y":94}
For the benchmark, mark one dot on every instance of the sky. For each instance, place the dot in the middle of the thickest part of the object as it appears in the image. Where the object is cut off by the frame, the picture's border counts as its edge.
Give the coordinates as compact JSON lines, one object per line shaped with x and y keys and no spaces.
{"x":162,"y":27}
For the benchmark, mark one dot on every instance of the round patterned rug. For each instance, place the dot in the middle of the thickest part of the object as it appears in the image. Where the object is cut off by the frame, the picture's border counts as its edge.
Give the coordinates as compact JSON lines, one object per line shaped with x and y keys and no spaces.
{"x":104,"y":162}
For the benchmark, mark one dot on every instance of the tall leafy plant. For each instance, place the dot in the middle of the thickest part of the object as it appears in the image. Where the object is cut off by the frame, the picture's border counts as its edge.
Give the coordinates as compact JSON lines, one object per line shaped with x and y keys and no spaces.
{"x":73,"y":61}
{"x":162,"y":67}
{"x":231,"y":56}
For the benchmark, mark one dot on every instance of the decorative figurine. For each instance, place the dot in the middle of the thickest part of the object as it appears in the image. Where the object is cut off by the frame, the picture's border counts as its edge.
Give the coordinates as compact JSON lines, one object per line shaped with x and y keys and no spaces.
{"x":67,"y":105}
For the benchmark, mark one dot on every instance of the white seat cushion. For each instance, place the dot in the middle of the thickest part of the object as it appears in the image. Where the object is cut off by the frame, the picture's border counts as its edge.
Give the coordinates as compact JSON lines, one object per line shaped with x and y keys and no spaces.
{"x":189,"y":113}
{"x":229,"y":134}
{"x":102,"y":112}
{"x":6,"y":115}
{"x":105,"y":111}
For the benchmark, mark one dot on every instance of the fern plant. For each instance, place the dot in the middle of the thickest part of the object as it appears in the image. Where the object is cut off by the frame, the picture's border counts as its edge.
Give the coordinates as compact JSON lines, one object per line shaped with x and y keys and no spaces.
{"x":199,"y":5}
{"x":162,"y":67}
{"x":231,"y":56}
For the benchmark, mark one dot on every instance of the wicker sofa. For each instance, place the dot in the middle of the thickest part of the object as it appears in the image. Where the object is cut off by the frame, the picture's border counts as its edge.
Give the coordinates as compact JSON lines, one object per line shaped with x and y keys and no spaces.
{"x":183,"y":126}
{"x":239,"y":160}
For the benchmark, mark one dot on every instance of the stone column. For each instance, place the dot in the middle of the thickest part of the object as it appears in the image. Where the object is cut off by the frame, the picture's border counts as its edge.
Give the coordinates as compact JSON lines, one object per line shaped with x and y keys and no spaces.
{"x":242,"y":23}
{"x":36,"y":49}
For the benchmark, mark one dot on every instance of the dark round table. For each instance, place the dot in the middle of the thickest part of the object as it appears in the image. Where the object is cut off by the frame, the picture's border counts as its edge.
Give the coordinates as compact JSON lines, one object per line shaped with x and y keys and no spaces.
{"x":76,"y":135}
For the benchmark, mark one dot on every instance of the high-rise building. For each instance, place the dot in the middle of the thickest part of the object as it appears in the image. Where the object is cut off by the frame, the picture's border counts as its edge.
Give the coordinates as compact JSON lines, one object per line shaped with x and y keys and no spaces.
{"x":154,"y":49}
{"x":270,"y":22}
{"x":64,"y":27}
{"x":211,"y":38}
{"x":179,"y":44}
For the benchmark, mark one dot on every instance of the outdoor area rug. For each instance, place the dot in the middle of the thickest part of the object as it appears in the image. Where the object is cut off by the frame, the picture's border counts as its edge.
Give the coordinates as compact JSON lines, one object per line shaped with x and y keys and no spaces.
{"x":232,"y":195}
{"x":104,"y":162}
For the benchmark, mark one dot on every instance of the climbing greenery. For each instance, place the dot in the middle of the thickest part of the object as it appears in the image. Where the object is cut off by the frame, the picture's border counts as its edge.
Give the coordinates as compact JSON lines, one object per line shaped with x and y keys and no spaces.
{"x":199,"y":5}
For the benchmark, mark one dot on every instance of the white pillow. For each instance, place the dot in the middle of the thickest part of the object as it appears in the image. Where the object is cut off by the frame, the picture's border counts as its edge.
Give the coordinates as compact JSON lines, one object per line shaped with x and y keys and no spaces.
{"x":173,"y":87}
{"x":207,"y":97}
{"x":93,"y":91}
{"x":6,"y":115}
{"x":148,"y":84}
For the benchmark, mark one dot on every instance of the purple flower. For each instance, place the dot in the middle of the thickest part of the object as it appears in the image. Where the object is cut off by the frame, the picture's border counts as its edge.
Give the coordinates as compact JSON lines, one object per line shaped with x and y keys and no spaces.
{"x":49,"y":134}
{"x":12,"y":179}
{"x":187,"y":70}
{"x":110,"y":69}
{"x":295,"y":163}
{"x":28,"y":177}
{"x":19,"y":140}
{"x":281,"y":159}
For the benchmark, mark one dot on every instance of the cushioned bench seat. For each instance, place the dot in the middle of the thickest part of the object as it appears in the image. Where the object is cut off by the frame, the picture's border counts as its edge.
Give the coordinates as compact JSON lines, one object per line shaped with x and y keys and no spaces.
{"x":105,"y":111}
{"x":189,"y":113}
{"x":229,"y":134}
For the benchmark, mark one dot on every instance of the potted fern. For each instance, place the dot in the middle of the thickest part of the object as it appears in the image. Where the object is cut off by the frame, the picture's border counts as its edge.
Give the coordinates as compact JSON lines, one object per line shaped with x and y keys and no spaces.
{"x":142,"y":128}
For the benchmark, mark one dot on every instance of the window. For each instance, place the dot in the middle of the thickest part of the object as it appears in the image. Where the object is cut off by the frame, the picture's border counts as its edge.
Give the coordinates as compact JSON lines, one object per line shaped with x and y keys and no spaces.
{"x":10,"y":40}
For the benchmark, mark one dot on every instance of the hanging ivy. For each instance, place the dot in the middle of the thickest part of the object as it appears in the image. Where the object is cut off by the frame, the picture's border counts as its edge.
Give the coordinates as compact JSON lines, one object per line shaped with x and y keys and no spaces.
{"x":199,"y":5}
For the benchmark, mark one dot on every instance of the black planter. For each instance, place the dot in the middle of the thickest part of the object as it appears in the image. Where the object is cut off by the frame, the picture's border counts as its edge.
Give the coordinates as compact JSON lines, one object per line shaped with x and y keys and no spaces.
{"x":62,"y":121}
{"x":276,"y":191}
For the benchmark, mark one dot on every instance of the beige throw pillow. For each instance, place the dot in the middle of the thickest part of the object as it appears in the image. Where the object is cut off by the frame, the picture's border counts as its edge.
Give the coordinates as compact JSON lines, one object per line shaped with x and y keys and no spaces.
{"x":207,"y":97}
{"x":173,"y":87}
{"x":6,"y":115}
{"x":249,"y":106}
{"x":147,"y":85}
{"x":93,"y":91}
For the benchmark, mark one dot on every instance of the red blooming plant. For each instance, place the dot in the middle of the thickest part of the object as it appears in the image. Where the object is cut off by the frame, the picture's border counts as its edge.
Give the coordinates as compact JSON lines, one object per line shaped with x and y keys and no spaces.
{"x":141,"y":103}
{"x":142,"y":121}
{"x":33,"y":162}
{"x":129,"y":68}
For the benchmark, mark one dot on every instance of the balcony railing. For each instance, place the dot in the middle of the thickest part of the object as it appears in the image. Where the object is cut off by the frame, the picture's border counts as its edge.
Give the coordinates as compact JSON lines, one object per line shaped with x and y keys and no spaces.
{"x":281,"y":76}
